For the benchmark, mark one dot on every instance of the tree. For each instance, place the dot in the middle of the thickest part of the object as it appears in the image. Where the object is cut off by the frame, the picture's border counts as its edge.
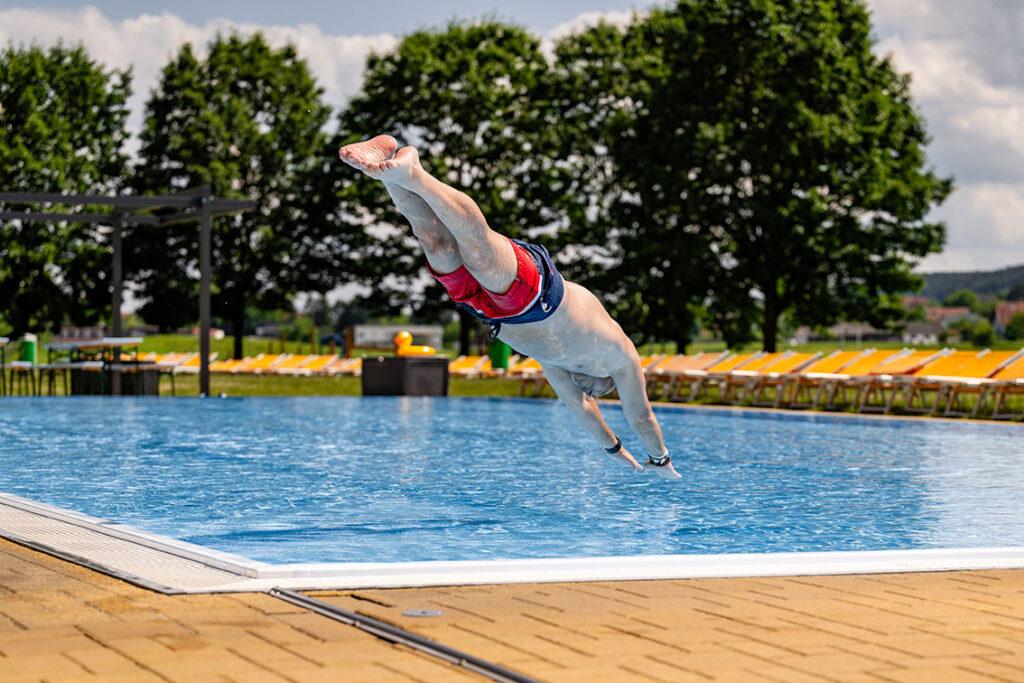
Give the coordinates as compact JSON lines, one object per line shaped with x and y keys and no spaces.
{"x":963,"y":297}
{"x":764,"y":146}
{"x":1015,"y":327}
{"x":62,"y":129}
{"x":247,"y":120}
{"x":469,"y":97}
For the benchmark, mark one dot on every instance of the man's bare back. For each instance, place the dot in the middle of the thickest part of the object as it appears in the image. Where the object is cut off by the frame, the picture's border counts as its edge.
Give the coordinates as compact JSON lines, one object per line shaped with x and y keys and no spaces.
{"x":515,"y":286}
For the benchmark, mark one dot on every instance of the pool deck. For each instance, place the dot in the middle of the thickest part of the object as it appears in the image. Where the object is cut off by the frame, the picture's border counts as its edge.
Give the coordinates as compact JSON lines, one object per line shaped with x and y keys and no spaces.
{"x":60,"y":622}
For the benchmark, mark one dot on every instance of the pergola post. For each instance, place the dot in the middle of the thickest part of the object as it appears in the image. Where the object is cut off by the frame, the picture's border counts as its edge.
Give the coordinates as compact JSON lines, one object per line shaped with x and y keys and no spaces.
{"x":117,"y":280}
{"x":205,"y":228}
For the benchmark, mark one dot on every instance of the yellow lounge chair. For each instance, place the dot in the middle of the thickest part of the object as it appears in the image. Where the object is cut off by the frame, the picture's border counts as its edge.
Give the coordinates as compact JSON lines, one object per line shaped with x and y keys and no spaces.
{"x":264,"y":363}
{"x":466,"y":366}
{"x":974,"y":379}
{"x":191,"y":365}
{"x":736,"y":382}
{"x":924,"y":391}
{"x":667,"y":377}
{"x":345,"y":366}
{"x":806,"y":388}
{"x":299,"y":364}
{"x":775,"y":377}
{"x":883,"y":381}
{"x":233,"y":365}
{"x":1007,"y":381}
{"x":701,"y":380}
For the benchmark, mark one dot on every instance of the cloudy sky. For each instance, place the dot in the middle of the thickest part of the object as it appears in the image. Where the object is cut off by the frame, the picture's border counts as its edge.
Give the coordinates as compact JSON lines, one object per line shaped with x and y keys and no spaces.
{"x":966,"y":61}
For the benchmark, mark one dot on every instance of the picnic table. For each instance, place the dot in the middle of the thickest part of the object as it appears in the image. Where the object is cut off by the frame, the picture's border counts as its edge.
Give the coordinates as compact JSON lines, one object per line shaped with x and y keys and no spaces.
{"x":97,"y":366}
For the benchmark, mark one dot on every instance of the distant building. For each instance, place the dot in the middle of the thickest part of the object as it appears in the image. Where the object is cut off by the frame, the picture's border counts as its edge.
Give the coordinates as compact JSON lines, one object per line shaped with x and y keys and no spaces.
{"x":1005,"y":310}
{"x":938,"y":314}
{"x":915,"y":300}
{"x":381,"y":336}
{"x":921,"y":333}
{"x":858,"y":332}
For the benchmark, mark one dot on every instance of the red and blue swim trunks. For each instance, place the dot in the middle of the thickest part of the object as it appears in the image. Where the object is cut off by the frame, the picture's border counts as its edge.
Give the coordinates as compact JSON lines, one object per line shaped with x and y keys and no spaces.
{"x":533,"y":296}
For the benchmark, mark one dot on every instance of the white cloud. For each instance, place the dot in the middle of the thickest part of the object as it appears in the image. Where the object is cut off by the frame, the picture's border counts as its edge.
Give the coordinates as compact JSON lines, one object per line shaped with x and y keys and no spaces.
{"x":147,"y":42}
{"x":966,"y":63}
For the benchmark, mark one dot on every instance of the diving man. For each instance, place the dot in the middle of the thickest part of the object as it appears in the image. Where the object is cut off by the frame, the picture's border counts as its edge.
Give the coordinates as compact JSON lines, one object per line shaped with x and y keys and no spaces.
{"x":515,"y":287}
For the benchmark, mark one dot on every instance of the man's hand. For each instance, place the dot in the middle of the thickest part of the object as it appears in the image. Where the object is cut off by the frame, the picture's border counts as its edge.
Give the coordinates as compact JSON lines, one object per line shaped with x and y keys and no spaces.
{"x":627,"y":459}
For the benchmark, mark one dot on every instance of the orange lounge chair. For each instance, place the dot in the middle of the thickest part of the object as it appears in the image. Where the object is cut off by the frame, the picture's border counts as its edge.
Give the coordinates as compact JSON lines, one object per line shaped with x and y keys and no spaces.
{"x":264,"y":363}
{"x":1005,"y":382}
{"x":344,"y":366}
{"x":191,"y":366}
{"x":305,"y":365}
{"x":805,"y":388}
{"x":740,"y":384}
{"x":466,"y":366}
{"x":974,"y":380}
{"x":667,"y":376}
{"x":775,"y":377}
{"x":839,"y":385}
{"x":925,"y":390}
{"x":701,"y":380}
{"x":884,"y":380}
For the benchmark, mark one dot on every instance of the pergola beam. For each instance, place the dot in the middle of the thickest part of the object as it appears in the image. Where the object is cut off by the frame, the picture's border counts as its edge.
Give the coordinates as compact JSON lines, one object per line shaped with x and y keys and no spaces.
{"x":123,"y":202}
{"x":101,"y":218}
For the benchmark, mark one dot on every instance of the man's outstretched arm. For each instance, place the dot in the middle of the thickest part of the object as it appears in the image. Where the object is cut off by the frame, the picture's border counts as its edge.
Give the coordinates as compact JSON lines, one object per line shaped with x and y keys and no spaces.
{"x":585,"y":409}
{"x":632,"y":387}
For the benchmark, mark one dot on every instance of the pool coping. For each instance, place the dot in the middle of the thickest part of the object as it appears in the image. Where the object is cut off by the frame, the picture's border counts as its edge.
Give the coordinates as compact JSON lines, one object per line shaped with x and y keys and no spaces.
{"x":172,"y":566}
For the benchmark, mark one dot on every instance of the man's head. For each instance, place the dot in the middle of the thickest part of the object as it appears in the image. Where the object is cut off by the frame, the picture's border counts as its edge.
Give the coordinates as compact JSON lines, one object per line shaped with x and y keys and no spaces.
{"x":593,"y":386}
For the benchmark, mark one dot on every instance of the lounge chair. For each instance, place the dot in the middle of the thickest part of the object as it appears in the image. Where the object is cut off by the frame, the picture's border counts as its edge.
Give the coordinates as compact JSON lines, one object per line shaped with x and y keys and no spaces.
{"x":304,"y":365}
{"x":188,"y":366}
{"x":883,"y":382}
{"x":344,"y":366}
{"x":775,"y":377}
{"x":976,"y":379}
{"x":1007,"y":381}
{"x":925,"y":391}
{"x":466,"y":366}
{"x":668,"y":376}
{"x":233,"y":365}
{"x":263,"y":363}
{"x":806,"y":387}
{"x":836,"y":387}
{"x":701,"y":380}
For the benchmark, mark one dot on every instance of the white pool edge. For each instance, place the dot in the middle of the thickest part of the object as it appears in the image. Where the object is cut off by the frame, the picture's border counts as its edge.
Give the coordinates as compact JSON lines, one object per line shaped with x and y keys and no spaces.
{"x":109,"y":540}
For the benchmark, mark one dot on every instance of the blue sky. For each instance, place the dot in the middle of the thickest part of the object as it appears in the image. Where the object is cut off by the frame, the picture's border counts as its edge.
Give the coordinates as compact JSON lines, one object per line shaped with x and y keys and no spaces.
{"x":965,"y":59}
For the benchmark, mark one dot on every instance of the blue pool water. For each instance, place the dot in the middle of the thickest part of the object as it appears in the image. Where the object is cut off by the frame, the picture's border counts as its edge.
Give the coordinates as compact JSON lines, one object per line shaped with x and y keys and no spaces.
{"x":392,"y":479}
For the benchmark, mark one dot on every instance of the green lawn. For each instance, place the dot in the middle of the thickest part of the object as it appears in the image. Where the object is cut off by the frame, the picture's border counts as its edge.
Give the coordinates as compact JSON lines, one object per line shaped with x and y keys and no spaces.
{"x":276,"y":385}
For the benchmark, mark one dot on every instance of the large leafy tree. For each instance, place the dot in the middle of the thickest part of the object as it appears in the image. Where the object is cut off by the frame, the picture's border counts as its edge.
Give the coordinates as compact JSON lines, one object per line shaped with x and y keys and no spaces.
{"x":248,"y":120}
{"x":471,"y":98}
{"x":762,"y":145}
{"x":62,"y":129}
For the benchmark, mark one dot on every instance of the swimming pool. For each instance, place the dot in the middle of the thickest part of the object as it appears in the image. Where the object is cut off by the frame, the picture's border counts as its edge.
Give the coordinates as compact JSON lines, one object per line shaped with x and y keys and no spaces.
{"x":404,"y":479}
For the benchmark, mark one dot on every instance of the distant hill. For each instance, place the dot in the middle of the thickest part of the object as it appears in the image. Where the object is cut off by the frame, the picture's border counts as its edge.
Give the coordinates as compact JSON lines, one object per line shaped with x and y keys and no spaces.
{"x":940,"y":285}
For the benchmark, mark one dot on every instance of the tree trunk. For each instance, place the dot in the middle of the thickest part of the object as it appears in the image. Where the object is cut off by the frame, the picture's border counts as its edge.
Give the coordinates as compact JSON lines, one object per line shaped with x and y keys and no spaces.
{"x":238,"y":323}
{"x":770,"y":324}
{"x":465,"y":326}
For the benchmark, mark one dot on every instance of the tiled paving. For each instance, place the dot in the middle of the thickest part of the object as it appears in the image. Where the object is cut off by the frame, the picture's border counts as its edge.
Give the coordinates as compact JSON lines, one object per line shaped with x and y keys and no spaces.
{"x":62,"y":623}
{"x":893,"y":627}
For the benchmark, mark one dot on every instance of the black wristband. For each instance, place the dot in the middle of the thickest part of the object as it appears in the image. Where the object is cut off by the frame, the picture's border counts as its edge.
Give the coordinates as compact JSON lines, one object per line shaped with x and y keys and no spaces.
{"x":616,"y":448}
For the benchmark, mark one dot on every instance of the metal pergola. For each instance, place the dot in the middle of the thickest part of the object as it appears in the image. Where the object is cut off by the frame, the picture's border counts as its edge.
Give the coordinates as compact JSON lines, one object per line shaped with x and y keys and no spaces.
{"x":197,"y":204}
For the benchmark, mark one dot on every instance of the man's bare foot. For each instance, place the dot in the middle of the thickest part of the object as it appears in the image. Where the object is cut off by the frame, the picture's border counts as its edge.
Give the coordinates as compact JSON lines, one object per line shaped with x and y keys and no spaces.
{"x":368,"y":152}
{"x":400,"y":169}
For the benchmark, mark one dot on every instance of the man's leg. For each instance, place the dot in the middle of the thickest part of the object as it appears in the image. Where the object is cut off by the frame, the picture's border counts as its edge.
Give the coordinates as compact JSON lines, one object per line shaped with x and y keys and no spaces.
{"x":488,"y":256}
{"x":438,"y":244}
